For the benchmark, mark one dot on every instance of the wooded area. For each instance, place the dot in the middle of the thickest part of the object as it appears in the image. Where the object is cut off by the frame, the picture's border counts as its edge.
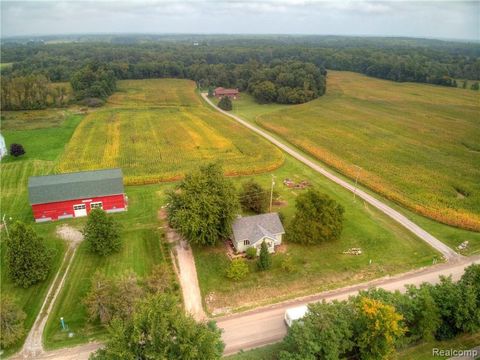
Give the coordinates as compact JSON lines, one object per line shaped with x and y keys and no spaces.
{"x":294,"y":65}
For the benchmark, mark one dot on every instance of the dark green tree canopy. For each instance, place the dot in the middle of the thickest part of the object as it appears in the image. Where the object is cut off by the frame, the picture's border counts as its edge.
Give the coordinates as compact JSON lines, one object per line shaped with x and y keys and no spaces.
{"x":253,"y":197}
{"x":318,"y":218}
{"x":102,"y":233}
{"x":203,"y":206}
{"x":159,"y":329}
{"x":225,"y":103}
{"x":324,"y":333}
{"x":93,"y":81}
{"x":27,"y":257}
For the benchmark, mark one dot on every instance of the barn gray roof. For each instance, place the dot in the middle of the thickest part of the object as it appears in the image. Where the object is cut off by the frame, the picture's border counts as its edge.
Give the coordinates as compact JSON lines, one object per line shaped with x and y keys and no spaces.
{"x":255,"y":228}
{"x":71,"y":186}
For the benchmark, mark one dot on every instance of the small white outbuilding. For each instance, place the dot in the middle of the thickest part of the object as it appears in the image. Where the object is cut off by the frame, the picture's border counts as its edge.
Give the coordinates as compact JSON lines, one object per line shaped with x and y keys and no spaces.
{"x":3,"y":147}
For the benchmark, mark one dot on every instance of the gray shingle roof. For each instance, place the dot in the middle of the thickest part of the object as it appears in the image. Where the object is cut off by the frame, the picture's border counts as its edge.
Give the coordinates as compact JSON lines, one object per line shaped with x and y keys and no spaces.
{"x":78,"y":185}
{"x":255,"y":228}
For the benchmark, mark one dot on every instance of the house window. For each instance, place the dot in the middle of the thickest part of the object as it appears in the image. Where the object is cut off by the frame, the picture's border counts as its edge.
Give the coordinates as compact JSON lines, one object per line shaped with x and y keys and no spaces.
{"x":96,"y":205}
{"x":270,"y":244}
{"x":246,"y":242}
{"x":79,"y":207}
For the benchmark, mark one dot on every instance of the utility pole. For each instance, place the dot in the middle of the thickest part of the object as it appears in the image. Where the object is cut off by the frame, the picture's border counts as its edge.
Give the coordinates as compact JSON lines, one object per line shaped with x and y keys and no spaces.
{"x":271,"y":192}
{"x":356,"y":182}
{"x":5,"y":224}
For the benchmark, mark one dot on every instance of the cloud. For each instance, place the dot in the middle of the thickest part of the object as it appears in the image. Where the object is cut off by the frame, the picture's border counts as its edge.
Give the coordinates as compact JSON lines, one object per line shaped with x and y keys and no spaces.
{"x":441,"y":19}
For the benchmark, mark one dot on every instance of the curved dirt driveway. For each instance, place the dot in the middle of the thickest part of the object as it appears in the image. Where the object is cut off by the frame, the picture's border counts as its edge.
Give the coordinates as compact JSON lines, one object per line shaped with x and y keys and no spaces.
{"x":446,"y":251}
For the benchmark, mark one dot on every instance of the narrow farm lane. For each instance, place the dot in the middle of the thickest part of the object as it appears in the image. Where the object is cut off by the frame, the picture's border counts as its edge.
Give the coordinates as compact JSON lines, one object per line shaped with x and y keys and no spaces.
{"x":33,"y":346}
{"x":446,"y":251}
{"x":265,"y":325}
{"x":184,"y":265}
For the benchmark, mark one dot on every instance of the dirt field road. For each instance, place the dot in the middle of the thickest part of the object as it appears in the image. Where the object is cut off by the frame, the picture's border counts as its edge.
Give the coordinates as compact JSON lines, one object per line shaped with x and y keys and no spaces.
{"x":447,"y":252}
{"x":184,"y":264}
{"x":33,"y":347}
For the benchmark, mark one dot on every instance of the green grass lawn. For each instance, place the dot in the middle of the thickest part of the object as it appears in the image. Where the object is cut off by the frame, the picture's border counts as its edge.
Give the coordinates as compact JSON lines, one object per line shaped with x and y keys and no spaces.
{"x":31,"y":299}
{"x":418,"y":352}
{"x":416,"y":144}
{"x":390,"y":247}
{"x":45,"y":143}
{"x":249,"y":110}
{"x":143,"y":247}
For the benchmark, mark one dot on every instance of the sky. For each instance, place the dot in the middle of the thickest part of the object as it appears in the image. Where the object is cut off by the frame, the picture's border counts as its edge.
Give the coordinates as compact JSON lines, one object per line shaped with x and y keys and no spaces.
{"x":430,"y":19}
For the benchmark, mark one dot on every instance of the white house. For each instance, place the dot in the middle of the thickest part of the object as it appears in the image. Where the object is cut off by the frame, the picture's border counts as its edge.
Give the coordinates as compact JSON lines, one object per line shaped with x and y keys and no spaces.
{"x":251,"y":231}
{"x":3,"y":147}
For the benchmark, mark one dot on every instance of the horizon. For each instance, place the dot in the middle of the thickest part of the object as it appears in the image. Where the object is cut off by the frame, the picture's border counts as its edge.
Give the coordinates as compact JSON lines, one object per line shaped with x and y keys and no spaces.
{"x":441,"y":20}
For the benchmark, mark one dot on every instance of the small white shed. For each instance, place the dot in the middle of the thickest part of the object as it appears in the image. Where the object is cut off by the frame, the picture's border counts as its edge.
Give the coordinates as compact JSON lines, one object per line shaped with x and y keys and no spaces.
{"x":3,"y":147}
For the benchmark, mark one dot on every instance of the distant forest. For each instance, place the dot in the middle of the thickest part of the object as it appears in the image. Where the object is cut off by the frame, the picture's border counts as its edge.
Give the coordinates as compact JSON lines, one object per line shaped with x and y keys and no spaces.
{"x":284,"y":69}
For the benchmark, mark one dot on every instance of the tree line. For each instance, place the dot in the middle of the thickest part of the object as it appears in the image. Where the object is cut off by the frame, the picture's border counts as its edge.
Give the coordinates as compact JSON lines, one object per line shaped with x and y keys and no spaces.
{"x":376,"y":323}
{"x":417,"y":60}
{"x":31,"y":92}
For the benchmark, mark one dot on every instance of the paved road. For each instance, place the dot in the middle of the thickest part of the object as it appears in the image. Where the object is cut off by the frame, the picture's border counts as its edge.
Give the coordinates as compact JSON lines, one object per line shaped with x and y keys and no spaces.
{"x":265,"y":325}
{"x":447,"y":252}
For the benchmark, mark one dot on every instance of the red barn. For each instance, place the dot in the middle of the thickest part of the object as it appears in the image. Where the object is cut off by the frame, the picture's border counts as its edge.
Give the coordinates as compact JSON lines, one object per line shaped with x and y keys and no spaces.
{"x":220,"y":92}
{"x":63,"y":196}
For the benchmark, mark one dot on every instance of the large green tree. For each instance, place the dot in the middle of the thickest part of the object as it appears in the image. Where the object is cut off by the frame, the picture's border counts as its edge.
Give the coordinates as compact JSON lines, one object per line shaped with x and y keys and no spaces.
{"x":102,"y":233}
{"x":253,"y":197}
{"x":324,"y":333}
{"x":203,"y":206}
{"x":27,"y":257}
{"x":318,"y":218}
{"x":11,"y":321}
{"x":159,"y":329}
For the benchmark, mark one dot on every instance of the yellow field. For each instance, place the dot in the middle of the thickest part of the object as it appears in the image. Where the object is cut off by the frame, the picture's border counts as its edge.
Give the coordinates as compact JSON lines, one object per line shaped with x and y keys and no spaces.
{"x":158,"y":129}
{"x":416,"y":144}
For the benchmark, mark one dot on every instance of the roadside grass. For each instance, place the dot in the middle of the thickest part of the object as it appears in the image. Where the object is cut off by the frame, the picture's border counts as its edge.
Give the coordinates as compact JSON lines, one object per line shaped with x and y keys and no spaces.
{"x":159,"y":129}
{"x":31,"y":299}
{"x":418,"y":352}
{"x":452,"y":236}
{"x":390,"y":247}
{"x":415,"y":143}
{"x":143,"y":247}
{"x":5,"y":65}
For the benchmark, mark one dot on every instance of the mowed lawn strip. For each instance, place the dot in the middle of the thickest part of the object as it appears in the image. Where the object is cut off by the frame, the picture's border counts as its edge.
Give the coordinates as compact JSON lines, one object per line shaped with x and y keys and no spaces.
{"x":452,"y":236}
{"x":416,"y":144}
{"x":158,"y":130}
{"x":143,"y":248}
{"x":390,"y":247}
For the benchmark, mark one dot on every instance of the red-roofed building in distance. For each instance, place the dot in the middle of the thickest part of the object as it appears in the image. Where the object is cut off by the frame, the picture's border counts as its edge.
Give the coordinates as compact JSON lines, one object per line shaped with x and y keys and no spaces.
{"x":220,"y":92}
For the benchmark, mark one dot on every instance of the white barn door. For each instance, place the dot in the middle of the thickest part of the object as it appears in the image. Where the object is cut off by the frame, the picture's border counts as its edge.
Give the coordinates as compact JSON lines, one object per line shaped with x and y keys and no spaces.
{"x":80,"y":210}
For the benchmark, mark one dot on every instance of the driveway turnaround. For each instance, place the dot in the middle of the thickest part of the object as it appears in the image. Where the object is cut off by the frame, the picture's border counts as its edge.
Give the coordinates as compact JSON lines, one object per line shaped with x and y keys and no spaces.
{"x":447,"y":252}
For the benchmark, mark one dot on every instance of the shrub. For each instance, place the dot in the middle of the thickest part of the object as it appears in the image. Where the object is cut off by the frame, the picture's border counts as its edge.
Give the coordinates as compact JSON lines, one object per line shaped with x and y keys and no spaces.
{"x":27,"y":257}
{"x":238,"y":270}
{"x":92,"y":102}
{"x":225,"y":103}
{"x":251,"y":253}
{"x":264,"y":261}
{"x":102,"y":233}
{"x":16,"y":150}
{"x":318,"y":218}
{"x":287,"y":264}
